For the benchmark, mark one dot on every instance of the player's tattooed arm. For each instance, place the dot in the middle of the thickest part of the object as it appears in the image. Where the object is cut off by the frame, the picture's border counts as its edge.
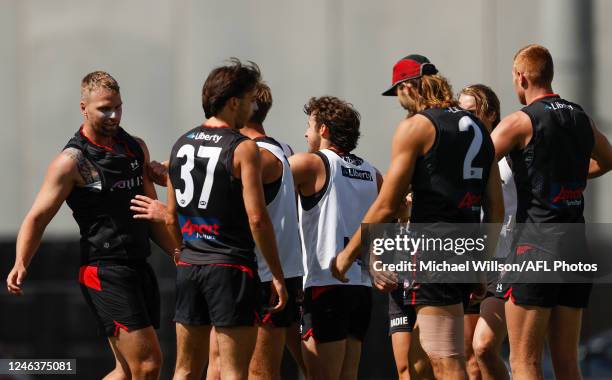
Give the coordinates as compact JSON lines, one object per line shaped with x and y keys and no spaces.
{"x":85,"y":168}
{"x":57,"y":185}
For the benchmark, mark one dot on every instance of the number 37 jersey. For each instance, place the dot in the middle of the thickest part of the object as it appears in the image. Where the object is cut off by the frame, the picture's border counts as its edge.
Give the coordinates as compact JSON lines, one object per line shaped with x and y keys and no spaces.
{"x":449,"y":181}
{"x":209,"y":201}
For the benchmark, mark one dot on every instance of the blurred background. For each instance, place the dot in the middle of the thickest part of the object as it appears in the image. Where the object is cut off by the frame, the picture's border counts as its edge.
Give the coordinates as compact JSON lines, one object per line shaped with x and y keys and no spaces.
{"x":161,"y":51}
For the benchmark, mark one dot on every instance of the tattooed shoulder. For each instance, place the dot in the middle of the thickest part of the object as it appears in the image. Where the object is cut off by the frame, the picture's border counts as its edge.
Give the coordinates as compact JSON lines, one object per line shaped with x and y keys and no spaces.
{"x":85,"y":168}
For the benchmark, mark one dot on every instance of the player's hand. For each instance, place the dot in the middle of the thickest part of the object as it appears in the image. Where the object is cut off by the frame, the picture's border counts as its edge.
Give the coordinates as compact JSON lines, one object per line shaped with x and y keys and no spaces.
{"x":15,"y":279}
{"x":384,"y":281}
{"x":278,"y":295}
{"x":148,"y":209}
{"x":158,"y":172}
{"x":176,"y":255}
{"x":478,"y":294}
{"x":338,"y":267}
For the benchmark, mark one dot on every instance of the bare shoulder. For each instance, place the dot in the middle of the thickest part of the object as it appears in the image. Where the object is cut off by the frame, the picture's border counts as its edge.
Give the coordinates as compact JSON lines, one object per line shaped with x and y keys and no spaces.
{"x":69,"y":158}
{"x":415,"y":133}
{"x":246,"y":149}
{"x":67,"y":162}
{"x":414,"y":125}
{"x":73,"y":162}
{"x":515,"y":119}
{"x":305,"y":159}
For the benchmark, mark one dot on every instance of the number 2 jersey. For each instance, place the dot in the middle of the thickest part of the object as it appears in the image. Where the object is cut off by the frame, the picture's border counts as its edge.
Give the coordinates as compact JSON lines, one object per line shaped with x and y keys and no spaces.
{"x":449,"y":181}
{"x":209,"y":203}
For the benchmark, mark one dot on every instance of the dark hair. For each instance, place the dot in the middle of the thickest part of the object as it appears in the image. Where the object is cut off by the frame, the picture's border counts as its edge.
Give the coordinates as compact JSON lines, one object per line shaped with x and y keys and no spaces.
{"x":263,"y":97}
{"x":487,"y":102}
{"x":225,"y":82}
{"x":340,"y":117}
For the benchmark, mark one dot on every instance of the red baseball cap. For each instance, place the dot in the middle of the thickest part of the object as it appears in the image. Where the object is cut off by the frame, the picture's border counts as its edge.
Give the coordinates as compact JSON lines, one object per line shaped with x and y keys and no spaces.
{"x":410,"y":67}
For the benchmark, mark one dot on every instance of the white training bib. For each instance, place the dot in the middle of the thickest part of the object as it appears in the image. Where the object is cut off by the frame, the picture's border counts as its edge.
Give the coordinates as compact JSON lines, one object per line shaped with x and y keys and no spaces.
{"x":283,"y":213}
{"x":325,"y":228}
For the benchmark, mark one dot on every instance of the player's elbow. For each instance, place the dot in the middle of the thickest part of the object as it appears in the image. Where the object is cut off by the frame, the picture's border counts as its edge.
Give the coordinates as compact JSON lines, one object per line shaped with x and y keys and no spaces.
{"x":171,"y":219}
{"x":36,"y":220}
{"x":258,"y":221}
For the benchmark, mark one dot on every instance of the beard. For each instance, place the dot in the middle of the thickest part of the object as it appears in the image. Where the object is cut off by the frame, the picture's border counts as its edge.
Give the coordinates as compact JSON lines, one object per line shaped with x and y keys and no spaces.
{"x":108,"y":130}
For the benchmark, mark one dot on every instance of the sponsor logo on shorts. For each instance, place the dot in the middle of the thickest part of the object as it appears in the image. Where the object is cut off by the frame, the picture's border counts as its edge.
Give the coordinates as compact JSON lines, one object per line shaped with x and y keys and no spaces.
{"x":399,"y":321}
{"x":196,"y":228}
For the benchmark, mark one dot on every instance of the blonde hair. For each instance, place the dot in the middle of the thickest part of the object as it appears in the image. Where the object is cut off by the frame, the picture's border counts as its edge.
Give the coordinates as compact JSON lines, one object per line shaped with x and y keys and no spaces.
{"x":96,"y":80}
{"x":263,"y":98}
{"x":536,"y":64}
{"x":432,"y":91}
{"x":487,"y":102}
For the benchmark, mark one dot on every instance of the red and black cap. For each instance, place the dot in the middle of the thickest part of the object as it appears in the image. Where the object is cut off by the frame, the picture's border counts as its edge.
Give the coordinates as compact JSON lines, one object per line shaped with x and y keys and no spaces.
{"x":410,"y":67}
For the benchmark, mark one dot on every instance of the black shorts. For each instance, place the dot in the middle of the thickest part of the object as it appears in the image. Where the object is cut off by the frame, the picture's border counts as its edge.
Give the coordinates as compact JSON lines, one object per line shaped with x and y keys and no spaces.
{"x":548,"y":295}
{"x":402,"y":315}
{"x":439,"y":294}
{"x":122,"y":296}
{"x":292,"y":311}
{"x":223,"y":295}
{"x":335,"y":312}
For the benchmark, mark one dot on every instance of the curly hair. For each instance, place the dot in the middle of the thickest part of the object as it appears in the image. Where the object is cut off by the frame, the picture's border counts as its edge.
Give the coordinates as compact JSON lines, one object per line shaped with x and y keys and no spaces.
{"x":225,"y":82}
{"x":96,"y":80}
{"x":432,"y":91}
{"x":263,"y":98}
{"x":340,"y":117}
{"x":487,"y":102}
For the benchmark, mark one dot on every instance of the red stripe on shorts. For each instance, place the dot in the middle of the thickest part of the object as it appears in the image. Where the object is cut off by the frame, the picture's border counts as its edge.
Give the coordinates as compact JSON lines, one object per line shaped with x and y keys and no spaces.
{"x":317,"y":291}
{"x":88,"y":276}
{"x":243,"y":268}
{"x":509,"y":295}
{"x":119,"y":326}
{"x":309,"y":334}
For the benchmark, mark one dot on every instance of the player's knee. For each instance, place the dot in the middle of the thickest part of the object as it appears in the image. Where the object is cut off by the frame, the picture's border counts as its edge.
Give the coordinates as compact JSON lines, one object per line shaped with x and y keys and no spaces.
{"x":524,"y":361}
{"x":148,"y":368}
{"x":118,"y":374}
{"x":565,"y":363}
{"x":403,"y":372}
{"x":484,"y":350}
